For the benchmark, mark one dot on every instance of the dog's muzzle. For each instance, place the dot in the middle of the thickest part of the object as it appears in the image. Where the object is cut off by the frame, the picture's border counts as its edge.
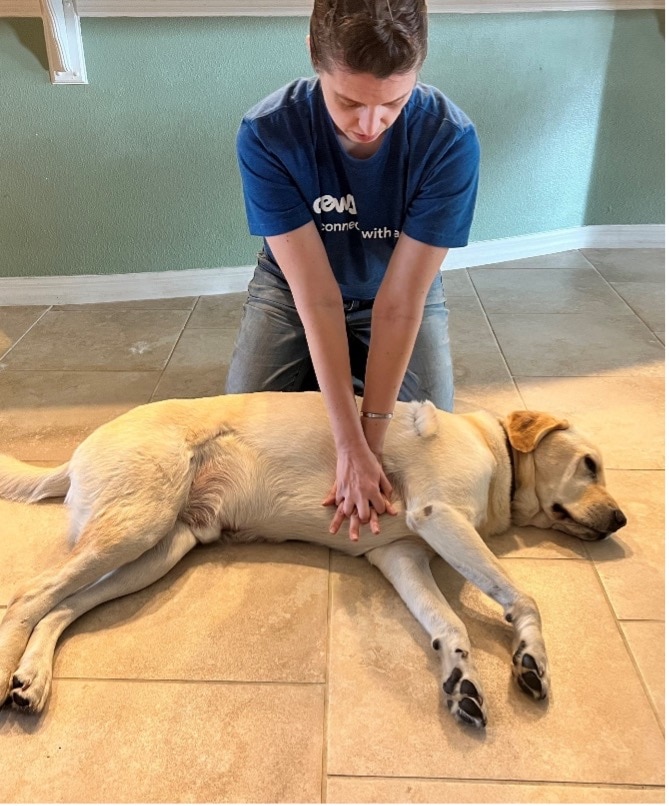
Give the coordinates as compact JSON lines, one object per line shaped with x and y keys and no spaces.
{"x":599,"y":531}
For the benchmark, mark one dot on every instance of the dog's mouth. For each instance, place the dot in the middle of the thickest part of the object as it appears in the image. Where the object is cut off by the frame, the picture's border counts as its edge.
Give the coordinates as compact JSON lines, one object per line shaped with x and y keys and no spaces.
{"x":564,"y":521}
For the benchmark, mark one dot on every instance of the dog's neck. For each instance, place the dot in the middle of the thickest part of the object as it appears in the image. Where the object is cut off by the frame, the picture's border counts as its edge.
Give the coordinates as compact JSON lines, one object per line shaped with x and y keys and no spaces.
{"x":512,"y":462}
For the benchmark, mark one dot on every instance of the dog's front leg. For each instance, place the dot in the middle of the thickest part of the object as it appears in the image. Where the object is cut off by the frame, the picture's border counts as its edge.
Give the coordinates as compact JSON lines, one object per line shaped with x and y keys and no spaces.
{"x":451,"y":535}
{"x":406,"y":565}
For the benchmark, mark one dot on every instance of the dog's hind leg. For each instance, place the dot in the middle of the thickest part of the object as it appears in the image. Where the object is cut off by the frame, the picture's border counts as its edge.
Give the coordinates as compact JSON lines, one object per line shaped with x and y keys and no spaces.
{"x":31,"y":683}
{"x":106,"y":542}
{"x":406,"y":564}
{"x":451,"y":535}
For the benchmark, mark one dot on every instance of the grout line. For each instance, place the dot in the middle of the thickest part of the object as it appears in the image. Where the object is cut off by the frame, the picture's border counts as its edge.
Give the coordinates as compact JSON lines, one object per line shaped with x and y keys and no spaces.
{"x":219,"y":682}
{"x":20,"y":338}
{"x":619,"y":295}
{"x":630,"y":653}
{"x":172,"y":351}
{"x":496,"y":340}
{"x":47,"y":370}
{"x":575,"y":559}
{"x":501,"y":781}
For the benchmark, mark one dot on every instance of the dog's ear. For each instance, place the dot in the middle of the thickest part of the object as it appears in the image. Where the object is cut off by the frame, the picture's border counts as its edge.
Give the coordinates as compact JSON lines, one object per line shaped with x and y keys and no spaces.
{"x":526,"y":429}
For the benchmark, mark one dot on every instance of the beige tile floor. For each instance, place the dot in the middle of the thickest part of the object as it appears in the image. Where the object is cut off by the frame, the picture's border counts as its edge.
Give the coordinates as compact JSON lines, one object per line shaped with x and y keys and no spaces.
{"x":294,"y":674}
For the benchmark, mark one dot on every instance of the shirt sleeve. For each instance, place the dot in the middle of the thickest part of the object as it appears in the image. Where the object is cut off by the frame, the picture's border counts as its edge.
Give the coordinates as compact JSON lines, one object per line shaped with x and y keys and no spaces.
{"x":274,"y":204}
{"x":441,"y":212}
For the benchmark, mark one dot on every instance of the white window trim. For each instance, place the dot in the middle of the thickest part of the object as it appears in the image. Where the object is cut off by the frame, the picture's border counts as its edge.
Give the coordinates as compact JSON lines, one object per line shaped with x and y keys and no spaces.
{"x":65,"y":47}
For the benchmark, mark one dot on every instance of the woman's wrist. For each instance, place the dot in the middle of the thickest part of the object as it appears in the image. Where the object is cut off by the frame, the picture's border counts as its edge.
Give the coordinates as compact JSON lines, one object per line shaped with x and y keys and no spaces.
{"x":375,"y":433}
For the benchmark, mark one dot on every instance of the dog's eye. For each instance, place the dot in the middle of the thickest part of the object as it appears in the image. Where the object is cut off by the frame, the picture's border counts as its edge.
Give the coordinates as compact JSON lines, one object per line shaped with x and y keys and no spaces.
{"x":591,"y":465}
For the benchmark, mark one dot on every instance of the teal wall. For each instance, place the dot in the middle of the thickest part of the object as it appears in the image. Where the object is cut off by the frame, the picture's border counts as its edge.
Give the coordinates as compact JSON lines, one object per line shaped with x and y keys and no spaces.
{"x":137,"y":171}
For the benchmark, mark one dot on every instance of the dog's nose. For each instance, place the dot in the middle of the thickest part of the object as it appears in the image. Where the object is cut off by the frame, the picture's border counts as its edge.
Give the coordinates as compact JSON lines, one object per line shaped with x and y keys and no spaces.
{"x":618,"y":520}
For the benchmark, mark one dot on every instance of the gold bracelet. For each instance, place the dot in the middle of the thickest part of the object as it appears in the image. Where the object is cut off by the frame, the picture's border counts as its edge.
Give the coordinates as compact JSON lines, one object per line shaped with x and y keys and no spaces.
{"x":372,"y":415}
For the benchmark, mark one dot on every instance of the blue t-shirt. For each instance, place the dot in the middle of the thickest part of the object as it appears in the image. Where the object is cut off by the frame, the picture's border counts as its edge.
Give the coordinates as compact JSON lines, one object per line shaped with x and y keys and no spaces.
{"x":421,"y":181}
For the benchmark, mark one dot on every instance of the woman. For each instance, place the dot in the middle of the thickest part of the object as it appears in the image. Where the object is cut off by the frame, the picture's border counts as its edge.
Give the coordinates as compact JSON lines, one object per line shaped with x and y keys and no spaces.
{"x":359,"y":181}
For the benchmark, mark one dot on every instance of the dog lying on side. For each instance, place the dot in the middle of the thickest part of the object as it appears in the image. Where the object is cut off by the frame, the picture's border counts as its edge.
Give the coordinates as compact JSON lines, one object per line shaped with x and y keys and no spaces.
{"x":147,"y":487}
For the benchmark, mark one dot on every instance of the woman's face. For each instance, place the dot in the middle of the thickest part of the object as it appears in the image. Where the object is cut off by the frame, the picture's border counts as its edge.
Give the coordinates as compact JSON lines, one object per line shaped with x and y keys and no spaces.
{"x":363,"y":106}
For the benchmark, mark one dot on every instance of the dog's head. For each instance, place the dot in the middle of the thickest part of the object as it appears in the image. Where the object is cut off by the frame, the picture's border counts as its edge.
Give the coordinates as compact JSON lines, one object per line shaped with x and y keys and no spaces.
{"x":559,"y":478}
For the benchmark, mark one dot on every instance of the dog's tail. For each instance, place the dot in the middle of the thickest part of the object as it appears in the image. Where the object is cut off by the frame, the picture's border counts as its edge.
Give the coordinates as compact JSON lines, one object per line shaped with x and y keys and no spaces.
{"x":23,"y":482}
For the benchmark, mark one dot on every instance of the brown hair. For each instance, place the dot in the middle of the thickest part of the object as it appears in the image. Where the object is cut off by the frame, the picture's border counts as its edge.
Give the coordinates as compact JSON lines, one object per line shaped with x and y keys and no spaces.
{"x":381,"y":37}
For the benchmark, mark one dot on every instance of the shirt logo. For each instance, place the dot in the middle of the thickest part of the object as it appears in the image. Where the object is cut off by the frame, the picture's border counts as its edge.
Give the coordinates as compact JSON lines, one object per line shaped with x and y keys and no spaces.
{"x":325,"y":204}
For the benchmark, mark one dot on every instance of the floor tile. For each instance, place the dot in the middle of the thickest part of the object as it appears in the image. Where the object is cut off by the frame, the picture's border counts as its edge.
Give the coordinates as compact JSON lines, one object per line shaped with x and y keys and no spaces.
{"x":260,"y":613}
{"x":577,"y":344}
{"x":482,"y":379}
{"x":45,"y":415}
{"x":543,"y":291}
{"x":530,"y":542}
{"x":646,"y":642}
{"x":219,"y":310}
{"x":263,"y":646}
{"x":119,"y":340}
{"x":129,"y":742}
{"x":631,"y":562}
{"x":499,"y":397}
{"x":625,"y":417}
{"x":199,"y":364}
{"x":457,"y":283}
{"x":171,"y":303}
{"x":412,"y":790}
{"x":628,"y":265}
{"x":571,"y":259}
{"x":645,"y":301}
{"x":15,"y":321}
{"x":597,"y":727}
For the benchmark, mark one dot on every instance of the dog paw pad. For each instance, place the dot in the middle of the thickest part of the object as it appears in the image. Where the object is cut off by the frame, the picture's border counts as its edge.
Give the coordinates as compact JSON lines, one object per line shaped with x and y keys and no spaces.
{"x":464,"y":700}
{"x":19,"y":700}
{"x":17,"y":682}
{"x":531,"y":684}
{"x":470,"y":690}
{"x":470,"y":712}
{"x":531,"y":676}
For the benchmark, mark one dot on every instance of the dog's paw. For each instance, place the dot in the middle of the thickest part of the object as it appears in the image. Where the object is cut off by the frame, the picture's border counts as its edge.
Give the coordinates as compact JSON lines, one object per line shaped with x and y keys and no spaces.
{"x":530,"y":668}
{"x":30,"y":688}
{"x":464,"y":698}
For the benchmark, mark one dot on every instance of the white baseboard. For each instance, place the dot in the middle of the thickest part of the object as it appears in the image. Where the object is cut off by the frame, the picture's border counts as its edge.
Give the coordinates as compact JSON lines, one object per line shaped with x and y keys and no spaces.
{"x":621,"y":236}
{"x":203,"y":282}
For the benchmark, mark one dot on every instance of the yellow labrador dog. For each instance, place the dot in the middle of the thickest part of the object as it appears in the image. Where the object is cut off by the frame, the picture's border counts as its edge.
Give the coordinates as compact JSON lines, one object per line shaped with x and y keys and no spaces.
{"x":146,"y":488}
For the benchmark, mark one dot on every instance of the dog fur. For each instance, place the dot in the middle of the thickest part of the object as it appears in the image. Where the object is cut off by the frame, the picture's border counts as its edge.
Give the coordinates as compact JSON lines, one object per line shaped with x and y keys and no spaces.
{"x":147,"y":487}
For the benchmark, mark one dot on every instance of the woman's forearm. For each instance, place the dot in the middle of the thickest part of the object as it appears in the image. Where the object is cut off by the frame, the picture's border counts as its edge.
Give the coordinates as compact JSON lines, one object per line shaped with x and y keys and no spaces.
{"x":396,"y":318}
{"x":328,"y":346}
{"x":303,"y":259}
{"x":392,"y":340}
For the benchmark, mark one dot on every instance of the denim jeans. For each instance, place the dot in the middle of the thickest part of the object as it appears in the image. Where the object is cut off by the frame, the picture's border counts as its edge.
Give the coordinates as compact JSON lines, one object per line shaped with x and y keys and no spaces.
{"x":271,"y":352}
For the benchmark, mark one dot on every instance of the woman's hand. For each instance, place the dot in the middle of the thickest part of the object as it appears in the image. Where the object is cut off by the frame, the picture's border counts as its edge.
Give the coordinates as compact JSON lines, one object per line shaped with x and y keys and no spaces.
{"x":361,"y":492}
